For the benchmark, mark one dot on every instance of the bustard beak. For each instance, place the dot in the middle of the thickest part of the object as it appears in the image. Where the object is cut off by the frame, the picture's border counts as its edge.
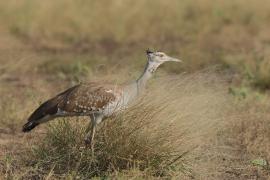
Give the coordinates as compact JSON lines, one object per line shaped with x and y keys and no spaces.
{"x":174,"y":59}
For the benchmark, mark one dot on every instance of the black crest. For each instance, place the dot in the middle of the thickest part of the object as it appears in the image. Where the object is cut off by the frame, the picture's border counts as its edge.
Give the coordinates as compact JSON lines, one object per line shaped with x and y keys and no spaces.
{"x":148,"y":51}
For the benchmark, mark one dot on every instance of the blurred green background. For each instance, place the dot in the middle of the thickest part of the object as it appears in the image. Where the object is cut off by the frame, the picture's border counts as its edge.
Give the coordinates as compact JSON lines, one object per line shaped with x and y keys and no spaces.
{"x":104,"y":34}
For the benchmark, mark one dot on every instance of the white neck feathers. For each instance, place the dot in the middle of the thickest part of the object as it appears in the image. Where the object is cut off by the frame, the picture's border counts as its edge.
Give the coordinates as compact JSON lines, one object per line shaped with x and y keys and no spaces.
{"x":150,"y":68}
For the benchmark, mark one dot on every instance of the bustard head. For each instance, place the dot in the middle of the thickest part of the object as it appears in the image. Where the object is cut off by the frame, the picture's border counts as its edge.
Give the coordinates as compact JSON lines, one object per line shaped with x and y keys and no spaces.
{"x":159,"y":57}
{"x":155,"y":59}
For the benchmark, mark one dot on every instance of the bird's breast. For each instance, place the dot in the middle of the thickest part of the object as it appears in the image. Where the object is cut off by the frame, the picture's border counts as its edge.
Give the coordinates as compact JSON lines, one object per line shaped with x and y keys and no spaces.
{"x":115,"y":106}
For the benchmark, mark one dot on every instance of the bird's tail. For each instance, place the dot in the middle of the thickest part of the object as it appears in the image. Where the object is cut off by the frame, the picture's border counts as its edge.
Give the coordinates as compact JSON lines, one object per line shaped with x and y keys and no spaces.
{"x":42,"y":114}
{"x":29,"y":126}
{"x":46,"y":111}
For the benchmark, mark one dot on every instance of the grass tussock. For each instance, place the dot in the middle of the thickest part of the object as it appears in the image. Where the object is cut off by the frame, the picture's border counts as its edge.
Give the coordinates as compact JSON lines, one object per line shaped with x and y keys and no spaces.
{"x":152,"y":137}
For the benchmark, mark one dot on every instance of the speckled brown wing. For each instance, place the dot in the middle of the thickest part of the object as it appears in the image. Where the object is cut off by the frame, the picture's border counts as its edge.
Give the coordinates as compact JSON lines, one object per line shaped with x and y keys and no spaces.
{"x":87,"y":98}
{"x":82,"y":99}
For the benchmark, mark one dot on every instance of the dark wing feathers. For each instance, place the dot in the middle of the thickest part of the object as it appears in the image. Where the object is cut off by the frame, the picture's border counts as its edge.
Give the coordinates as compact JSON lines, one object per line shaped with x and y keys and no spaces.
{"x":50,"y":107}
{"x":47,"y":108}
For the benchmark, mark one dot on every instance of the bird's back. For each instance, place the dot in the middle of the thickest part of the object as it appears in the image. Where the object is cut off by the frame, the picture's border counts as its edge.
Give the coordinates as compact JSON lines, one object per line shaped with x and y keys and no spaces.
{"x":80,"y":100}
{"x":89,"y":98}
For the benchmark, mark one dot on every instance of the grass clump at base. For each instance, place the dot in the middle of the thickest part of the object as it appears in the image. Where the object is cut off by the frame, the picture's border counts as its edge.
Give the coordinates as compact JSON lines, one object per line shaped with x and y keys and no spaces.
{"x":117,"y":148}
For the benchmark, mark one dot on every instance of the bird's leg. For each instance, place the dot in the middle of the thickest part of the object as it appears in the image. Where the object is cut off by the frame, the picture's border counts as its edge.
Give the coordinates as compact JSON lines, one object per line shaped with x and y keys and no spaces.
{"x":89,"y":138}
{"x":88,"y":132}
{"x":92,"y":137}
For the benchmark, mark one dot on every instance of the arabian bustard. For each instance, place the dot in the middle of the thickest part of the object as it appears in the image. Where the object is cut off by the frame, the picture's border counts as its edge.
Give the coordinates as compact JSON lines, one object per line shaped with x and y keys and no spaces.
{"x":95,"y":100}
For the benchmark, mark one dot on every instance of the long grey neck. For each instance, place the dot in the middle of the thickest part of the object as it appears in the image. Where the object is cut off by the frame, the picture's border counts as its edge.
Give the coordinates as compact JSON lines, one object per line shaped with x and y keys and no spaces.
{"x":149,"y":70}
{"x":133,"y":90}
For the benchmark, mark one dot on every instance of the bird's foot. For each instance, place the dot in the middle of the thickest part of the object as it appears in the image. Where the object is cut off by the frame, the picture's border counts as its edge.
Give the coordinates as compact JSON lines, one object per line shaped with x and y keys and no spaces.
{"x":87,"y":142}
